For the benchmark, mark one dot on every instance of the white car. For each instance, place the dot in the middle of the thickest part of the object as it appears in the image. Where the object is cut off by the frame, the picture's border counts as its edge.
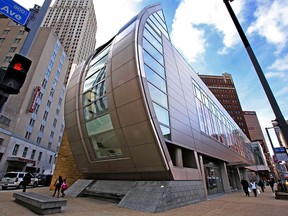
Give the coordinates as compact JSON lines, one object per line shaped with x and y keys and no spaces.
{"x":15,"y":179}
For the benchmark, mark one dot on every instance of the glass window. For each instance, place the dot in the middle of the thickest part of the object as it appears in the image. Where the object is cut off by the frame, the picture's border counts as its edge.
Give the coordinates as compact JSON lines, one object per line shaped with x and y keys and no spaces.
{"x":158,"y":96}
{"x":94,"y":93}
{"x":105,"y":145}
{"x":158,"y":68}
{"x":166,"y":132}
{"x":153,"y":40}
{"x":94,"y":79}
{"x":162,"y":114}
{"x":149,"y":29}
{"x":99,"y":125}
{"x":100,"y":56}
{"x":95,"y":109}
{"x":39,"y":156}
{"x":155,"y":79}
{"x":15,"y":150}
{"x":33,"y":154}
{"x":152,"y":51}
{"x":25,"y":152}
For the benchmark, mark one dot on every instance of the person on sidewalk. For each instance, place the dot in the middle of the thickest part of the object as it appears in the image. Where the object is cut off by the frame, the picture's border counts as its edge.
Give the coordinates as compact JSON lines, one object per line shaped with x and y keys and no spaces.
{"x":57,"y":185}
{"x":245,"y":186}
{"x":253,"y":186}
{"x":271,"y":183}
{"x":261,"y":184}
{"x":64,"y":187}
{"x":26,"y":181}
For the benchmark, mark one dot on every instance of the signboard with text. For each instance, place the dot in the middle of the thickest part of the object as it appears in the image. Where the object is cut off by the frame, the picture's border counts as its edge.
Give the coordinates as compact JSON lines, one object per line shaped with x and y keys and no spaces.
{"x":14,"y":11}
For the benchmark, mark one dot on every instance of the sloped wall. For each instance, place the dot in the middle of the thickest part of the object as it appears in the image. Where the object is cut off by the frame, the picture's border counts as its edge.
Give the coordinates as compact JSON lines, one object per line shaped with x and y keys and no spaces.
{"x":65,"y":164}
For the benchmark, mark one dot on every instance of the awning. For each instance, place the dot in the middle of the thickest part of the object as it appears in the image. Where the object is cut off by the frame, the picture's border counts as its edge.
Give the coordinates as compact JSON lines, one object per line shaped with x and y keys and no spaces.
{"x":23,"y":160}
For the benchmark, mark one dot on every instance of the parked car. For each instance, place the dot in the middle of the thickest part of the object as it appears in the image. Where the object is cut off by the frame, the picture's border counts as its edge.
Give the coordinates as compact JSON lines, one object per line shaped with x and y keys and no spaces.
{"x":15,"y":179}
{"x":44,"y":179}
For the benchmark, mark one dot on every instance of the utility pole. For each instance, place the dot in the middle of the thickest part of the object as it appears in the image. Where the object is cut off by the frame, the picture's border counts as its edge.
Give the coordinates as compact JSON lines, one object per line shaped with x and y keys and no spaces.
{"x":279,"y":117}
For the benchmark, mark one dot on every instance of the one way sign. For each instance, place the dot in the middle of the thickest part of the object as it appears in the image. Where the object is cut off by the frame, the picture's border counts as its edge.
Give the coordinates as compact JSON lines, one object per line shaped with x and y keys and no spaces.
{"x":14,"y":11}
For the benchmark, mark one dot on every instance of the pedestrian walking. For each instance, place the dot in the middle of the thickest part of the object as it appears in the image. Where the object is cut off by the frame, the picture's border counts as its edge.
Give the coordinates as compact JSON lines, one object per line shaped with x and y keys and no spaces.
{"x":253,"y":186}
{"x":57,"y":185}
{"x":26,"y":181}
{"x":271,"y":183}
{"x":245,"y":186}
{"x":261,"y":184}
{"x":64,"y":187}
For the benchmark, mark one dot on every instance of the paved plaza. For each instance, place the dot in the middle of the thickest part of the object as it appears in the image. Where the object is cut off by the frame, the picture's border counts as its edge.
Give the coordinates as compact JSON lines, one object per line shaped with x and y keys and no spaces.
{"x":234,"y":204}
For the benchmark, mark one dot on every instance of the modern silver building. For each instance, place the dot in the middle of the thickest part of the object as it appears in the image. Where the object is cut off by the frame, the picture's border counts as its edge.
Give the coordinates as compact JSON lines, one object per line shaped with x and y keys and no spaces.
{"x":31,"y":123}
{"x":136,"y":111}
{"x":74,"y":22}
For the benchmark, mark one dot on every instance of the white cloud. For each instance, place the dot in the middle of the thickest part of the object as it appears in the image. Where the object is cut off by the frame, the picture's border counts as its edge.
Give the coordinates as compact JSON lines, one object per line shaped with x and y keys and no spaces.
{"x":188,"y":34}
{"x":278,"y":74}
{"x":271,"y":22}
{"x":282,"y":92}
{"x":111,"y":15}
{"x":280,"y":64}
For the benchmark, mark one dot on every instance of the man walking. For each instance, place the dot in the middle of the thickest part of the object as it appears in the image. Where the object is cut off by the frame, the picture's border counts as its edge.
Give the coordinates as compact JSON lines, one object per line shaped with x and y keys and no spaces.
{"x":245,"y":186}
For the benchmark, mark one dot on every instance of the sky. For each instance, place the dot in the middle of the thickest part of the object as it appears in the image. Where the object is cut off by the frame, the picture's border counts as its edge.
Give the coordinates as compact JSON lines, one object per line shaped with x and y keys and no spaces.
{"x":205,"y":35}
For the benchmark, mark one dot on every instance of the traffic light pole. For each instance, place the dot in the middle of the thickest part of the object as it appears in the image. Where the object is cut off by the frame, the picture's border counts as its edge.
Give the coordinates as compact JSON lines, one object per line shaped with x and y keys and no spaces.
{"x":279,"y":117}
{"x":34,"y":28}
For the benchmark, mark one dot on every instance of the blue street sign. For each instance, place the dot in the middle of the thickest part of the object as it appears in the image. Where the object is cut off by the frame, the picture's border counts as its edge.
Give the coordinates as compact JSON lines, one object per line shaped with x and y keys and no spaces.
{"x":14,"y":11}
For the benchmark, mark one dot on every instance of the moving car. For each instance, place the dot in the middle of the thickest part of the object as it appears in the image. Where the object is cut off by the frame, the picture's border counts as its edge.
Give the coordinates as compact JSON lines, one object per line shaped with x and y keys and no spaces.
{"x":15,"y":179}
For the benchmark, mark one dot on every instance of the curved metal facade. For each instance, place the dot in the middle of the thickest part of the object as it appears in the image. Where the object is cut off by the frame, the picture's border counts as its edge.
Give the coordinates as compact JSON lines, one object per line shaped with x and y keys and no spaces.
{"x":131,"y":110}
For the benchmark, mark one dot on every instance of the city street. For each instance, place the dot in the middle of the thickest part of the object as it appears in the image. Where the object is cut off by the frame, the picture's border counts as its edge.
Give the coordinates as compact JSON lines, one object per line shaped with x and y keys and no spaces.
{"x":234,"y":204}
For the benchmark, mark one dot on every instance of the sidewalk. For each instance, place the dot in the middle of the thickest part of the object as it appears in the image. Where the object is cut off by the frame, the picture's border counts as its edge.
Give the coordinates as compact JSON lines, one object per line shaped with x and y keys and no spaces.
{"x":234,"y":204}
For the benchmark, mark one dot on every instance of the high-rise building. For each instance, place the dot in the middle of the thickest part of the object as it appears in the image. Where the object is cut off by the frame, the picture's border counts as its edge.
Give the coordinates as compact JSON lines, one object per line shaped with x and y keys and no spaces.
{"x":256,"y":134}
{"x":74,"y":22}
{"x":138,"y":119}
{"x":224,"y":90}
{"x":31,"y":123}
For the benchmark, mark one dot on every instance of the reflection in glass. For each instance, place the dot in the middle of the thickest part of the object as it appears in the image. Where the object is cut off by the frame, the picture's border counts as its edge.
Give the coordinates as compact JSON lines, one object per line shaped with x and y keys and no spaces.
{"x":158,"y":96}
{"x":155,"y":79}
{"x":162,"y":114}
{"x":156,"y":66}
{"x":105,"y":145}
{"x":99,"y":125}
{"x":96,"y":109}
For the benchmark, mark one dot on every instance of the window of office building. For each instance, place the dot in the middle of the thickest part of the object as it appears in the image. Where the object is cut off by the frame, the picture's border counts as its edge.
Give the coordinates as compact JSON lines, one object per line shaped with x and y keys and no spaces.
{"x":33,"y":154}
{"x":155,"y":29}
{"x":25,"y":152}
{"x":15,"y":150}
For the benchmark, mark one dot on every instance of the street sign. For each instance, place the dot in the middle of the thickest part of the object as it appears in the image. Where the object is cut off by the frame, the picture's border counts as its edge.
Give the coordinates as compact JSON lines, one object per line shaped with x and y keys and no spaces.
{"x":14,"y":11}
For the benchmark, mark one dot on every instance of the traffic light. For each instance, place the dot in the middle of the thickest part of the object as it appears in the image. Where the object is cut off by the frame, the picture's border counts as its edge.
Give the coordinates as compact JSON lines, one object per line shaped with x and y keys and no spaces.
{"x":15,"y":74}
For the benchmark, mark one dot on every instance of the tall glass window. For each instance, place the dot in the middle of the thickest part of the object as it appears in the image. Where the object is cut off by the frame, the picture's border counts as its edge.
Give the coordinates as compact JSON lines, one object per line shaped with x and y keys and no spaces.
{"x":103,"y":141}
{"x":214,"y":123}
{"x":155,"y":28}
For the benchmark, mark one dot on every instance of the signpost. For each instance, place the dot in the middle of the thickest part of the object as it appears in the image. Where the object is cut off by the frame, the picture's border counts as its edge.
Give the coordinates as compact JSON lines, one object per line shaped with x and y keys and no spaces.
{"x":14,"y":11}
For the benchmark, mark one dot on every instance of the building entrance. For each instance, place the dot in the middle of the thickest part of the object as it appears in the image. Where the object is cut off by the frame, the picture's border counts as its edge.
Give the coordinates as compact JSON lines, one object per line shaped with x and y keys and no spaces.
{"x":213,"y":177}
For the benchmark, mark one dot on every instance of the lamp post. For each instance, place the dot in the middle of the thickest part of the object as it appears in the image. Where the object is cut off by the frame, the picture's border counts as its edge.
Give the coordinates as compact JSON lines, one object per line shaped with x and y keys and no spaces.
{"x":279,"y":117}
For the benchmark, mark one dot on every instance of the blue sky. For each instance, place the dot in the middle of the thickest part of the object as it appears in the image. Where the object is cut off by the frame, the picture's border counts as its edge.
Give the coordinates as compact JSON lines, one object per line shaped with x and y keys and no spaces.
{"x":206,"y":36}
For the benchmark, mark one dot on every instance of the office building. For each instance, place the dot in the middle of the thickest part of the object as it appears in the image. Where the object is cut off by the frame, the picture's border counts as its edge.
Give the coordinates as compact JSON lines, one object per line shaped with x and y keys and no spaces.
{"x":225,"y":91}
{"x":74,"y":22}
{"x":256,"y":134}
{"x":144,"y":127}
{"x":31,"y":122}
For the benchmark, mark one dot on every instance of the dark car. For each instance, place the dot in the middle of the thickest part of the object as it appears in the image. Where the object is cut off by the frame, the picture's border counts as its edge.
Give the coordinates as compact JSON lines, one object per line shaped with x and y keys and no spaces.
{"x":44,"y":179}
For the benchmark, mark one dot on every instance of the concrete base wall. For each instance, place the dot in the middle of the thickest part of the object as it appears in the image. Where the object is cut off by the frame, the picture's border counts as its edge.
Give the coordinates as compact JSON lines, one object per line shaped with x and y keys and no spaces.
{"x":149,"y":196}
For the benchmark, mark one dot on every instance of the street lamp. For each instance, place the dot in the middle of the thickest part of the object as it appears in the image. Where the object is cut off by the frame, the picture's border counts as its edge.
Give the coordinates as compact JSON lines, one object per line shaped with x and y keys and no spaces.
{"x":279,"y":117}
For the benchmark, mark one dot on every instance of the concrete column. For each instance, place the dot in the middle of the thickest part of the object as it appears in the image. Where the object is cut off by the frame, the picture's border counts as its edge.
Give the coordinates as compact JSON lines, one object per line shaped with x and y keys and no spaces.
{"x":224,"y":176}
{"x":202,"y":170}
{"x":179,"y":160}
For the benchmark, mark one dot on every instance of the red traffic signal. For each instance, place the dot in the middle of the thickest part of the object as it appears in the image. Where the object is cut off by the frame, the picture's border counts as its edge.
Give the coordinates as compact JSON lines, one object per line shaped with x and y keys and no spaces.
{"x":15,"y":74}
